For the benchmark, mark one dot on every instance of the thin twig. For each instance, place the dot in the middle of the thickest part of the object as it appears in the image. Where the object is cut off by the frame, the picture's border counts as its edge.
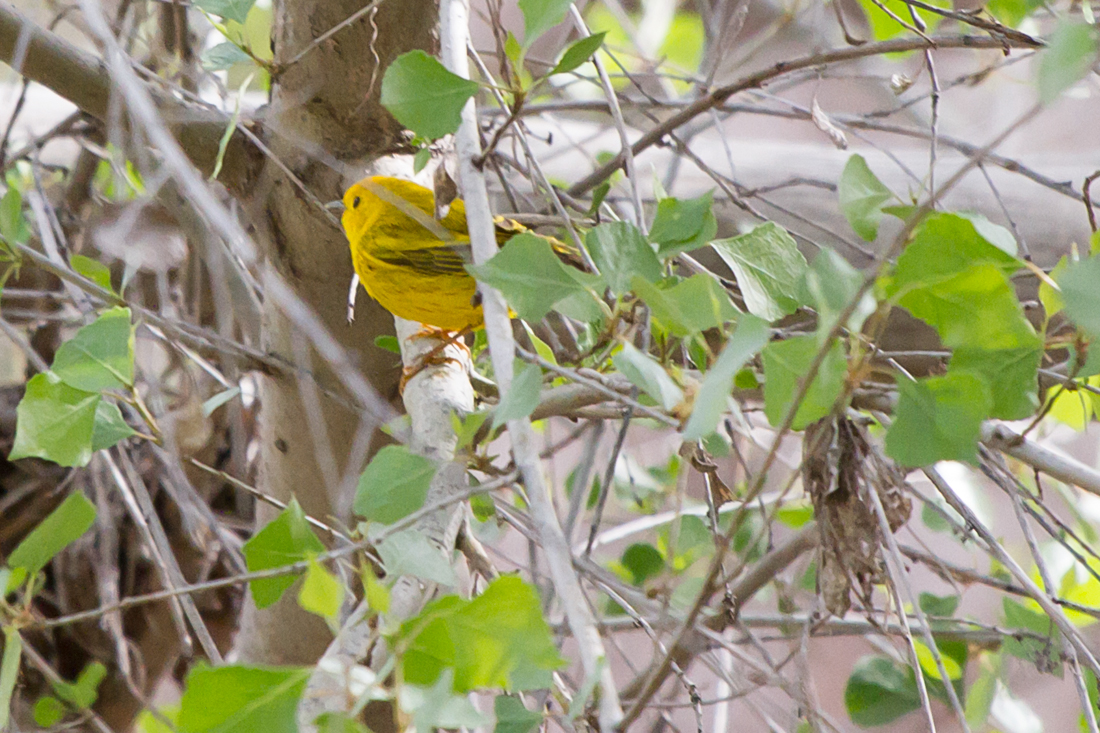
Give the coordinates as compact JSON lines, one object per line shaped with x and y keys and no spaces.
{"x":328,"y":34}
{"x":896,"y":570}
{"x":608,"y":480}
{"x":1087,"y":198}
{"x":454,"y":37}
{"x":757,"y":79}
{"x":1045,"y":601}
{"x":290,"y":569}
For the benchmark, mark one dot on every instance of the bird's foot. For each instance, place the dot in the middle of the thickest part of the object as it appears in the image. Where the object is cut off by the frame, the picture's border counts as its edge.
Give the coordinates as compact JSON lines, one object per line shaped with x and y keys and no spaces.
{"x":436,"y":356}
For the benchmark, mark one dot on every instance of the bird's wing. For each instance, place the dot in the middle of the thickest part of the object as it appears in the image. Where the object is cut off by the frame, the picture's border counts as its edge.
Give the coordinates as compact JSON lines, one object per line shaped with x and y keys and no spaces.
{"x":438,"y":259}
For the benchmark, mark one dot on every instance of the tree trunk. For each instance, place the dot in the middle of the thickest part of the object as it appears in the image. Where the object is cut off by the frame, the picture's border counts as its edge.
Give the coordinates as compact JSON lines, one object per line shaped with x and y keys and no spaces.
{"x":326,"y":124}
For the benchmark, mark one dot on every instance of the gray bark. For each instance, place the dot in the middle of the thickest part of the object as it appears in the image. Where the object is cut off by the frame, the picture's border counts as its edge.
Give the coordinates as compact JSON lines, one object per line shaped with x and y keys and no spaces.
{"x":326,"y":124}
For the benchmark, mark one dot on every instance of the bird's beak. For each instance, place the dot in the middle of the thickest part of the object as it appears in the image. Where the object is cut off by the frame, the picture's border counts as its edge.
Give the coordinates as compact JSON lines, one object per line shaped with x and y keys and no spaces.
{"x":337,"y":206}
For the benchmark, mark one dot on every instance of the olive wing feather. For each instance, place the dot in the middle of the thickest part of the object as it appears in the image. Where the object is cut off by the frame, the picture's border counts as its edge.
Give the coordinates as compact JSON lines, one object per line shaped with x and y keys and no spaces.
{"x":442,"y":259}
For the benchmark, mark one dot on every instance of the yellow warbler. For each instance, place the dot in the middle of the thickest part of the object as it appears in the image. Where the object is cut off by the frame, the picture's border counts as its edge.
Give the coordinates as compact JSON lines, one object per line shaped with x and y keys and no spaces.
{"x":412,"y":264}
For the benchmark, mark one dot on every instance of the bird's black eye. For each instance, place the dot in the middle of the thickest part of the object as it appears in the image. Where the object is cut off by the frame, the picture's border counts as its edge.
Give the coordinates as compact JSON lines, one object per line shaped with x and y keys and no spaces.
{"x":355,"y":202}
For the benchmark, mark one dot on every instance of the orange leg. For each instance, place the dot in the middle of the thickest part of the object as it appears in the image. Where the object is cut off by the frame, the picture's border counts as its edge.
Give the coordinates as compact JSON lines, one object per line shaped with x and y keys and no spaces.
{"x":435,"y":357}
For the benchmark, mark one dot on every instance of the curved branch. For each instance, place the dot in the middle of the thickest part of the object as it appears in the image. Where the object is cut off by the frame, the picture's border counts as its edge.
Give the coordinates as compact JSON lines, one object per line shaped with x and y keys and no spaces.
{"x":83,"y":79}
{"x":45,"y":57}
{"x":759,"y":78}
{"x":454,"y":33}
{"x":998,"y":436}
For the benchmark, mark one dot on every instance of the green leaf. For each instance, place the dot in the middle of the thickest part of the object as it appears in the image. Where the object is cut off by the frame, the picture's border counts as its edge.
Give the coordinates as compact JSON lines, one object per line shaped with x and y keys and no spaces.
{"x":880,"y":691}
{"x":230,"y":129}
{"x":690,"y":306}
{"x":693,"y":539}
{"x":1071,"y":407}
{"x":976,"y":308}
{"x":883,"y":26}
{"x":1093,"y":689}
{"x":582,"y":306}
{"x":321,"y":592}
{"x":224,"y":56}
{"x":218,"y":400}
{"x":437,"y":707}
{"x":599,"y":193}
{"x":683,"y":45}
{"x":285,"y":541}
{"x":933,"y":519}
{"x":541,"y":347}
{"x":649,"y":376}
{"x":423,"y":96}
{"x":712,"y":400}
{"x":9,"y":671}
{"x":94,"y":270}
{"x":48,"y":711}
{"x":643,"y":561}
{"x":795,"y":515}
{"x":862,"y":196}
{"x":927,"y":660}
{"x":1091,"y":364}
{"x":110,"y":428}
{"x":1012,"y":375}
{"x":166,"y":720}
{"x":785,"y":363}
{"x":995,"y":234}
{"x":1046,"y":651}
{"x":540,"y":16}
{"x":945,"y":245}
{"x":938,"y":419}
{"x":1050,"y":296}
{"x":240,"y":699}
{"x":934,"y":605}
{"x":513,"y":50}
{"x":410,"y":552}
{"x":682,"y":225}
{"x":530,"y":276}
{"x":768,"y":267}
{"x":82,"y":693}
{"x":954,"y":277}
{"x":523,"y":397}
{"x":621,"y":253}
{"x":339,"y":723}
{"x":100,"y":356}
{"x":13,"y":222}
{"x":483,"y":507}
{"x":1069,"y":55}
{"x":393,"y":485}
{"x":467,"y":426}
{"x":513,"y":717}
{"x":497,"y":640}
{"x":11,"y":579}
{"x":746,"y":379}
{"x":1081,"y":294}
{"x":1011,"y":12}
{"x":421,"y":160}
{"x":55,"y":422}
{"x":901,"y":211}
{"x":956,"y":655}
{"x":229,"y":9}
{"x":830,"y":284}
{"x":979,"y":696}
{"x":376,"y":593}
{"x":578,"y":53}
{"x":389,"y":343}
{"x":64,"y":525}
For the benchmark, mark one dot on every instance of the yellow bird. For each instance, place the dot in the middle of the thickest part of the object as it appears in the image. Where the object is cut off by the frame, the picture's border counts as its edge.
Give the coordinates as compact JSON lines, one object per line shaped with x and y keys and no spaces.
{"x":411,"y":263}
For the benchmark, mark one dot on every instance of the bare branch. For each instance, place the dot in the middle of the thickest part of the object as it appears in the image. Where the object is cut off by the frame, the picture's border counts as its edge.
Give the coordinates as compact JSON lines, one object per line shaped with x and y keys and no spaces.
{"x":758,"y":79}
{"x":454,"y":24}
